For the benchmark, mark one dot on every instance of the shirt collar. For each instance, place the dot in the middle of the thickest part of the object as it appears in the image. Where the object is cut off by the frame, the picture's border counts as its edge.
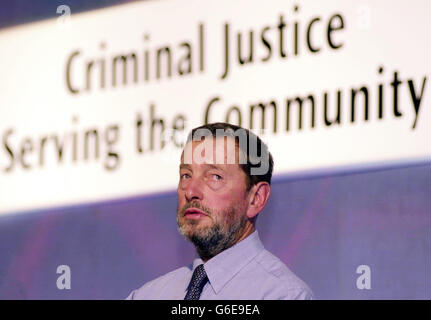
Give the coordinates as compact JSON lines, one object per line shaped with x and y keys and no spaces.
{"x":224,"y":266}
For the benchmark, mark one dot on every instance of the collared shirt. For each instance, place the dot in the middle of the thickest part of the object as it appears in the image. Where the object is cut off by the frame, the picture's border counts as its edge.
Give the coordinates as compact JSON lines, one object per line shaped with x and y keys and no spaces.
{"x":245,"y":271}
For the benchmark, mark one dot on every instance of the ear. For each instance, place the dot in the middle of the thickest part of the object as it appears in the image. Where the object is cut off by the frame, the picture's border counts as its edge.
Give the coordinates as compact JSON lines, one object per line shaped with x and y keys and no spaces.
{"x":259,"y":195}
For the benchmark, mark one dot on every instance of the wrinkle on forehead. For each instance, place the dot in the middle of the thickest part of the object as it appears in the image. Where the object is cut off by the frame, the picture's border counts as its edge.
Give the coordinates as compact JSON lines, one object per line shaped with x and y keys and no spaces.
{"x":222,"y":150}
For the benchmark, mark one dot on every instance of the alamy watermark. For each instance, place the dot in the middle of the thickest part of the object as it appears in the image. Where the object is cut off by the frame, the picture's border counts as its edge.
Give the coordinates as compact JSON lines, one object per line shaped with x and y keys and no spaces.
{"x":228,"y":146}
{"x":63,"y":21}
{"x":64,"y":281}
{"x":364,"y":280}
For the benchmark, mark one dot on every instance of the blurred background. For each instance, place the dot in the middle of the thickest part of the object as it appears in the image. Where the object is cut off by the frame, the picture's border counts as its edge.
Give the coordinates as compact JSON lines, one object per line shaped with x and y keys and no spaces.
{"x":97,"y":97}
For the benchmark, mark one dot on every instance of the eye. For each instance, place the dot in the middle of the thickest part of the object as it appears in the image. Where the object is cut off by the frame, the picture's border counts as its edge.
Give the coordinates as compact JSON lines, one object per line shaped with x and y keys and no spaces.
{"x":217,"y":177}
{"x":184,"y":176}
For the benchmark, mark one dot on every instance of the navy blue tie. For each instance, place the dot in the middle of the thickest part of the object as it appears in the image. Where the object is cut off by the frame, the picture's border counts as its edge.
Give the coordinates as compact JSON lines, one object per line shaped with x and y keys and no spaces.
{"x":199,"y":279}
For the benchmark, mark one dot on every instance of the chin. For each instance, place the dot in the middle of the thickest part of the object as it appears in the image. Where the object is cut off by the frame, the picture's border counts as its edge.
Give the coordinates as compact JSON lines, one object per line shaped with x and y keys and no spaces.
{"x":193,"y":229}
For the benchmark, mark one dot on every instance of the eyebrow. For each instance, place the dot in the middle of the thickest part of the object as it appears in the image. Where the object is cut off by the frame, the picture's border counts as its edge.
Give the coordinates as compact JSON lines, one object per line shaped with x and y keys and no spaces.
{"x":185,"y":166}
{"x":211,"y":166}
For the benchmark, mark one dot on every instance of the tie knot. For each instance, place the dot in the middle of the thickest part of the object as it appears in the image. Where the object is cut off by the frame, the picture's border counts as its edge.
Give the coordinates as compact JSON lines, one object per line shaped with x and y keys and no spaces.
{"x":199,"y":276}
{"x":197,"y":283}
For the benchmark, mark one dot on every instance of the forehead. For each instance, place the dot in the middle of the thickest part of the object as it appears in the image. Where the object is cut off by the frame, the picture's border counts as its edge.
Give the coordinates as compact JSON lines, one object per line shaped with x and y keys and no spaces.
{"x":215,"y":151}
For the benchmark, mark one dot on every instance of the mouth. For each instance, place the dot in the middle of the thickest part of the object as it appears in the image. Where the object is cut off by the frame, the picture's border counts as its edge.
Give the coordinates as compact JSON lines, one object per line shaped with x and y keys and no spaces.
{"x":194,"y":214}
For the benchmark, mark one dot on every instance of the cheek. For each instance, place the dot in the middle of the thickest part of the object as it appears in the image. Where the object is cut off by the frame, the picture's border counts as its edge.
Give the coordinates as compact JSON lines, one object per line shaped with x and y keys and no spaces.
{"x":226,"y":201}
{"x":219,"y":200}
{"x":180,"y":198}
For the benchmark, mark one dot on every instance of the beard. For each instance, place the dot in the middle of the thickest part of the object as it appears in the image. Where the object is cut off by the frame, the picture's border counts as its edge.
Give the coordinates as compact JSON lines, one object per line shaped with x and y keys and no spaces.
{"x":226,"y":228}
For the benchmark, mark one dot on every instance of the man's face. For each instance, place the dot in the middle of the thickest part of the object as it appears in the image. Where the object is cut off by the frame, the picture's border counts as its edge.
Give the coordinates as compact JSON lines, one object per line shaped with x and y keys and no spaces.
{"x":212,"y":195}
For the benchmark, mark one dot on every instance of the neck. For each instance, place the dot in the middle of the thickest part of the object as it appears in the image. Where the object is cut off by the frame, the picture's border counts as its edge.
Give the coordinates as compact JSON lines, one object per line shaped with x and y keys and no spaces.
{"x":248,"y":230}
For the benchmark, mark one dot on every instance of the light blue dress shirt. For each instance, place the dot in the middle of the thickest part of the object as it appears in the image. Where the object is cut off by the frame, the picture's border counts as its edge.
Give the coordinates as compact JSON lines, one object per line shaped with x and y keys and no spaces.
{"x":246,"y":271}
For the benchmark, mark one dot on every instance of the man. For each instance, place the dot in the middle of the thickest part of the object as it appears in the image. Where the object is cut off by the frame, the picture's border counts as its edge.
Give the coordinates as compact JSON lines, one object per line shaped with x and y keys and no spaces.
{"x":225,"y":176}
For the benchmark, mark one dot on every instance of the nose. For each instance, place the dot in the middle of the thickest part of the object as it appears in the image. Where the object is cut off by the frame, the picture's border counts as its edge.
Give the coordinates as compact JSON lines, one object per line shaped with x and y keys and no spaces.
{"x":193,"y":190}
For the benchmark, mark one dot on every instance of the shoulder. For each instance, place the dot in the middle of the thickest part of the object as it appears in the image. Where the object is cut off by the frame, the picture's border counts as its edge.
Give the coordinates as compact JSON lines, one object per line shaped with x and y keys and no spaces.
{"x":152,"y":288}
{"x":285,"y":285}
